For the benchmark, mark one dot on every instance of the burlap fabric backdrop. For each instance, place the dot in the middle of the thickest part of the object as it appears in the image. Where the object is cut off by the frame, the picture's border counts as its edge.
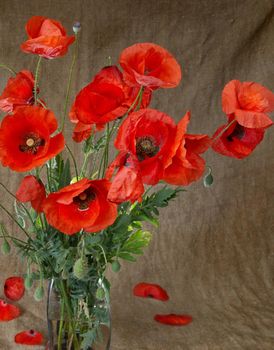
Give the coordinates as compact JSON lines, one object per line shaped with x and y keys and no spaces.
{"x":214,"y":249}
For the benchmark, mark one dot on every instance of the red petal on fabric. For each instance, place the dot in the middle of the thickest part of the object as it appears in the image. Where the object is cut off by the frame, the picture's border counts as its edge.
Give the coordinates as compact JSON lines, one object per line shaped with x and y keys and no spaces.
{"x":14,"y":288}
{"x":230,"y":96}
{"x":173,"y":319}
{"x":150,"y":65}
{"x":255,"y":97}
{"x":149,"y":290}
{"x":253,"y":120}
{"x":8,"y":312}
{"x":30,"y":337}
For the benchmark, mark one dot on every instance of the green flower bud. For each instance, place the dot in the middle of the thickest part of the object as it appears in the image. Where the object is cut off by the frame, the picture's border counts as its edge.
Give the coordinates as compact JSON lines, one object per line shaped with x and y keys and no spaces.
{"x":76,"y":27}
{"x":100,"y":293}
{"x":80,"y":268}
{"x":39,"y":293}
{"x":5,"y":247}
{"x":116,"y":266}
{"x":28,"y":282}
{"x":208,"y":180}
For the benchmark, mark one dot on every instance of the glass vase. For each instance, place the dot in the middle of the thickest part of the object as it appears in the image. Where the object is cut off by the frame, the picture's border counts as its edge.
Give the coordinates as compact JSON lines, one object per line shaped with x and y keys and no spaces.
{"x":78,"y":319}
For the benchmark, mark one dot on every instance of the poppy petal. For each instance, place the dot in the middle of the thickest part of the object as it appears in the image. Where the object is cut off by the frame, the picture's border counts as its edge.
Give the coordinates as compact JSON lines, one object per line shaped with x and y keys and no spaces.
{"x":173,"y":319}
{"x":8,"y":312}
{"x":229,"y":96}
{"x":149,"y":290}
{"x":14,"y":288}
{"x":30,"y":337}
{"x":253,"y":120}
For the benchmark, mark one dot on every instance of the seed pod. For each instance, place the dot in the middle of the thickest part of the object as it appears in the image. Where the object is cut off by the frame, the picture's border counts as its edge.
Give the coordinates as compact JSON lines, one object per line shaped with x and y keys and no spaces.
{"x":39,"y":293}
{"x":100,"y":293}
{"x":28,"y":282}
{"x":208,"y":180}
{"x":116,"y":266}
{"x":80,"y":268}
{"x":5,"y":247}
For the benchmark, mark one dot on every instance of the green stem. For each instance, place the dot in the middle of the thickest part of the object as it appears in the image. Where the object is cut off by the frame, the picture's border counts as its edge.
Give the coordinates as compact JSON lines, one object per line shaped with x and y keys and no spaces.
{"x":223,"y":131}
{"x":13,"y":238}
{"x":4,"y":66}
{"x":41,"y":103}
{"x":74,"y":161}
{"x":84,"y":166}
{"x":17,"y":223}
{"x":61,"y":326}
{"x":74,"y":59}
{"x":36,"y":78}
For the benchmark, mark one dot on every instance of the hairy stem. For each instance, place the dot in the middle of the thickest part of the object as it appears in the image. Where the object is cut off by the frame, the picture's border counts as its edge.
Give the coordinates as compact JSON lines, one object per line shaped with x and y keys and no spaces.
{"x":37,"y":78}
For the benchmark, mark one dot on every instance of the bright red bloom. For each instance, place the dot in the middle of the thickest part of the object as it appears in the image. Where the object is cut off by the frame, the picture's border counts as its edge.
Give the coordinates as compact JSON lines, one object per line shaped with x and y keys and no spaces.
{"x":248,"y":102}
{"x":25,"y":141}
{"x":32,"y":190}
{"x":127,"y":184}
{"x":46,"y":38}
{"x":105,"y":99}
{"x":30,"y":337}
{"x":149,"y":135}
{"x":187,"y":165}
{"x":8,"y":312}
{"x":237,"y":141}
{"x":149,"y":290}
{"x":150,"y":65}
{"x":173,"y":319}
{"x":82,"y":205}
{"x":14,"y":288}
{"x":18,"y":92}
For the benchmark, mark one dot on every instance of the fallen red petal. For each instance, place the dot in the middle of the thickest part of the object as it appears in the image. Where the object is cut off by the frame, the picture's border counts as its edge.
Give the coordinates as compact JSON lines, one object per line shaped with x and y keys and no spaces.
{"x":173,"y":319}
{"x":30,"y":337}
{"x":8,"y":312}
{"x":149,"y":290}
{"x":14,"y":288}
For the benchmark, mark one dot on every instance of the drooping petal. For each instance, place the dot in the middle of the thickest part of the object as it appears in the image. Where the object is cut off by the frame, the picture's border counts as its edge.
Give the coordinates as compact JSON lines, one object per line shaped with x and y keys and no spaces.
{"x":14,"y":288}
{"x":173,"y":319}
{"x":253,"y":120}
{"x":8,"y":312}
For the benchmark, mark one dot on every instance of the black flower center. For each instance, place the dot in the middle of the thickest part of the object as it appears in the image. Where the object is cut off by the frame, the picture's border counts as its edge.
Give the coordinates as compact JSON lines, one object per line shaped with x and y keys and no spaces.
{"x":31,"y":143}
{"x":84,"y":199}
{"x":237,"y":133}
{"x":146,"y":147}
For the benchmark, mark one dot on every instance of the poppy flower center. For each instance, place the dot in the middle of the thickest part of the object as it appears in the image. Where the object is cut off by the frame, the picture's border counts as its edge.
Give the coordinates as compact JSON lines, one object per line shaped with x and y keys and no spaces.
{"x":31,"y":143}
{"x":84,"y":199}
{"x":237,"y":133}
{"x":146,"y":147}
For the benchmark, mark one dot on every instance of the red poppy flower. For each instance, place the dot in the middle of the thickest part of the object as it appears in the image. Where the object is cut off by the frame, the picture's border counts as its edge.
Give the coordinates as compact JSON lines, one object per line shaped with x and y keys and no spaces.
{"x":149,"y":290}
{"x":150,"y":65}
{"x":127,"y":184}
{"x":248,"y":102}
{"x":82,"y":205}
{"x":173,"y":320}
{"x":237,"y":141}
{"x":105,"y":99}
{"x":25,"y":141}
{"x":187,"y":165}
{"x":18,"y":92}
{"x":30,"y":337}
{"x":46,"y":38}
{"x":8,"y":312}
{"x":149,"y":135}
{"x":14,"y":288}
{"x":31,"y":190}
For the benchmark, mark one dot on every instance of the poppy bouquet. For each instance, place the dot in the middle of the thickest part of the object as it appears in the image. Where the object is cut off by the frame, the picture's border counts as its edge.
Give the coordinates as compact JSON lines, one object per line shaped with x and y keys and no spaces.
{"x":77,"y":217}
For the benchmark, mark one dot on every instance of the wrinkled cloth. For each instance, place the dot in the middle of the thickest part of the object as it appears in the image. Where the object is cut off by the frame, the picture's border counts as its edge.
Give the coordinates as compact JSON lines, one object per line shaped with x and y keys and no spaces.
{"x":213,"y":252}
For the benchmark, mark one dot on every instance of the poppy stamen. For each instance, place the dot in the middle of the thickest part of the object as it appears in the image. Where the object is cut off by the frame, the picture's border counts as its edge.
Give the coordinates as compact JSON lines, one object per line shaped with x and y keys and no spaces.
{"x":237,"y":133}
{"x":146,"y":147}
{"x":31,"y":144}
{"x":84,"y":199}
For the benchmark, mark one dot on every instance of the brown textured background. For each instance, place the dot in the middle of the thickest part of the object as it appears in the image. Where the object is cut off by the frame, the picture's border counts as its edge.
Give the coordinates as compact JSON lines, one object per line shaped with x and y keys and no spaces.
{"x":214,"y":249}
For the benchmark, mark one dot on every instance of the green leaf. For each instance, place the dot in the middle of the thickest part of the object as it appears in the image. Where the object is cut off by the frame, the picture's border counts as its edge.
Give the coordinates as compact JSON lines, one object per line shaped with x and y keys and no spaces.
{"x":126,"y":256}
{"x":65,"y":175}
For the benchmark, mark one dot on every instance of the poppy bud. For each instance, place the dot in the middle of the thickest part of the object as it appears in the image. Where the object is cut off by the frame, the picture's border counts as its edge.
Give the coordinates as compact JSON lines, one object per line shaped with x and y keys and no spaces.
{"x":100,"y":293}
{"x":28,"y":282}
{"x":80,"y":269}
{"x":208,"y":179}
{"x":39,"y":293}
{"x":116,"y":266}
{"x":5,"y":247}
{"x":76,"y":27}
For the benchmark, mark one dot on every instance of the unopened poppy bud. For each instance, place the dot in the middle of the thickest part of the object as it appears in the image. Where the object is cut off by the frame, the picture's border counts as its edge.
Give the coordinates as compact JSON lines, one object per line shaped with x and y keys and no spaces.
{"x":76,"y":27}
{"x":28,"y":282}
{"x":5,"y":247}
{"x":80,"y":268}
{"x":208,"y":179}
{"x":100,"y":293}
{"x":39,"y":293}
{"x":116,"y":266}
